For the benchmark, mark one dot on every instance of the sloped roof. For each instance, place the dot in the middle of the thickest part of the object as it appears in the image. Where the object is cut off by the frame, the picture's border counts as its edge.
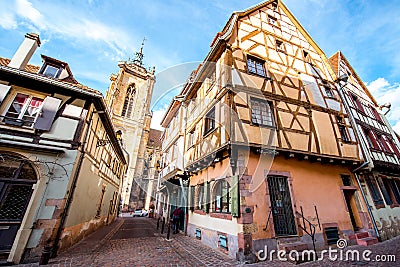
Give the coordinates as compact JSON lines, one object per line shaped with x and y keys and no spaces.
{"x":155,"y":137}
{"x":29,"y":67}
{"x":335,"y":61}
{"x":34,"y":69}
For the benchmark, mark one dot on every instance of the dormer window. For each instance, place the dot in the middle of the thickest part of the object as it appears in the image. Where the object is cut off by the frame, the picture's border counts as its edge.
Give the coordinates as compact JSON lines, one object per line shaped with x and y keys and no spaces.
{"x":50,"y":71}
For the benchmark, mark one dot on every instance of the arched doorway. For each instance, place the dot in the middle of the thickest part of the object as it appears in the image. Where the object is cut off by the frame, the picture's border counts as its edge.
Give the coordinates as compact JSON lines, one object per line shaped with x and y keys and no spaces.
{"x":17,"y":176}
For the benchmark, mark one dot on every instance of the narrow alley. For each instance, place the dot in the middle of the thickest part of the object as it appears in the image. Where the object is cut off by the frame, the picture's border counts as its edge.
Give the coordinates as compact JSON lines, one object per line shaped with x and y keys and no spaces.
{"x":137,"y":242}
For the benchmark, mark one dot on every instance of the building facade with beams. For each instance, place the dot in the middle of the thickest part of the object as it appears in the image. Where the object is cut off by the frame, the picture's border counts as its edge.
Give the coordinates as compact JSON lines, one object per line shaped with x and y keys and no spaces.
{"x":269,"y":148}
{"x":151,"y":169}
{"x":57,"y":184}
{"x":172,"y":184}
{"x":128,"y":100}
{"x":380,"y":174}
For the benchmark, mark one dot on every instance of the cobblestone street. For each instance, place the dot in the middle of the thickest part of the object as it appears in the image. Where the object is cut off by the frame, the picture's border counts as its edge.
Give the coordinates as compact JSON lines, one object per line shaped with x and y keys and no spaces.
{"x":136,"y":242}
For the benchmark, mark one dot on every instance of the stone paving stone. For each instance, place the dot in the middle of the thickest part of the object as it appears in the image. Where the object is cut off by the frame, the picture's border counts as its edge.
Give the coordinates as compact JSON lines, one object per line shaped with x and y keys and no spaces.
{"x":109,"y":247}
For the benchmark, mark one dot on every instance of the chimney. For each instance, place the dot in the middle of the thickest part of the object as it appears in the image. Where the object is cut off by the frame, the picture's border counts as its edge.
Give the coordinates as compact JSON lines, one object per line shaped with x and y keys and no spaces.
{"x":25,"y":51}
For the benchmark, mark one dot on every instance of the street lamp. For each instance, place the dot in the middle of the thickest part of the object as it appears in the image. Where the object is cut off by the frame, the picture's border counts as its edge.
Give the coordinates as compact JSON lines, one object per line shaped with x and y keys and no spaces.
{"x":103,"y":142}
{"x":386,"y":105}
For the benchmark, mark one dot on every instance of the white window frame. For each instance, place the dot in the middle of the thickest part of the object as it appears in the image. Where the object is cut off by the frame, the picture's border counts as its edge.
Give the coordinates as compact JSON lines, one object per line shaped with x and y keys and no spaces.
{"x":11,"y":99}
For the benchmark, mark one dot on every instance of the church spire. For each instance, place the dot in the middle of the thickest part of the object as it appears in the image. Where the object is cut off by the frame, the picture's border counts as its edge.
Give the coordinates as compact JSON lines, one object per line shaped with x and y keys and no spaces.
{"x":139,"y":55}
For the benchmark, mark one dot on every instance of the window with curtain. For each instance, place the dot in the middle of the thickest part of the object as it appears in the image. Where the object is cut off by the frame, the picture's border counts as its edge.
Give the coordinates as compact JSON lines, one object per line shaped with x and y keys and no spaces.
{"x":221,"y":196}
{"x":25,"y":109}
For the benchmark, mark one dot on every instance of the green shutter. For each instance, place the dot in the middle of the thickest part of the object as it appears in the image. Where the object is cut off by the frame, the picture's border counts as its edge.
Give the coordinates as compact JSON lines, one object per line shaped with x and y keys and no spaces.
{"x":234,"y":194}
{"x":191,"y":198}
{"x":206,"y":200}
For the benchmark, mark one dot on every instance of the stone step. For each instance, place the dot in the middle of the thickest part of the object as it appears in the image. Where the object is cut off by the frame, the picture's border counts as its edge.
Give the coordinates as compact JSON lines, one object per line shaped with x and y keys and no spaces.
{"x":298,"y":246}
{"x":367,"y":241}
{"x":288,"y":240}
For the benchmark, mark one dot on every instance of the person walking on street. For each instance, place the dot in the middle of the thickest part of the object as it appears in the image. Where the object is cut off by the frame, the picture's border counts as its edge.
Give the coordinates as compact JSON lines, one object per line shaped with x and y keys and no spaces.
{"x":176,"y":218}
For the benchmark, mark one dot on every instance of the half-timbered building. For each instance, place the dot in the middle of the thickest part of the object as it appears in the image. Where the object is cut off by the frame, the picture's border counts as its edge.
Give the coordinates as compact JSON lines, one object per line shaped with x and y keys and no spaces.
{"x":61,"y":163}
{"x":269,"y":147}
{"x":380,"y":174}
{"x":172,"y":185}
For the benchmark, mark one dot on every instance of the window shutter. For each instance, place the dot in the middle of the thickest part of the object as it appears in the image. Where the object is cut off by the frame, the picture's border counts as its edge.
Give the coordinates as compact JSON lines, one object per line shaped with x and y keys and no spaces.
{"x":3,"y":91}
{"x":49,"y":109}
{"x":385,"y":193}
{"x":206,"y":199}
{"x":191,"y":198}
{"x":235,"y":196}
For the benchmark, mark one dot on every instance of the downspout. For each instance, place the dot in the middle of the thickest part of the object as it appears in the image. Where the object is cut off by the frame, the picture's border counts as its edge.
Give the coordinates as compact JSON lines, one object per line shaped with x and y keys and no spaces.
{"x":366,"y":200}
{"x":367,"y":163}
{"x":64,"y":214}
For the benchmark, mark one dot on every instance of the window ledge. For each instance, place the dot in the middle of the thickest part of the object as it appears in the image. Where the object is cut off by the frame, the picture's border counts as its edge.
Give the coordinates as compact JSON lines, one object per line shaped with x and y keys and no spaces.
{"x":209,"y":132}
{"x":272,"y":127}
{"x":18,"y":128}
{"x":220,"y":215}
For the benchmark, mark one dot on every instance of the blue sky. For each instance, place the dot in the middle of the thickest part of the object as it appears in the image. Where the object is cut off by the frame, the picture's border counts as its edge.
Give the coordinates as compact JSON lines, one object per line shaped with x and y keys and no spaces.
{"x":92,"y":36}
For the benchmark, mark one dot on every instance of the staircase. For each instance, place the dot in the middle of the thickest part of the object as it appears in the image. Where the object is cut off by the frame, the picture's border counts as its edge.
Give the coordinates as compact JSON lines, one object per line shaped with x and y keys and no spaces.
{"x":292,"y":243}
{"x":364,"y":239}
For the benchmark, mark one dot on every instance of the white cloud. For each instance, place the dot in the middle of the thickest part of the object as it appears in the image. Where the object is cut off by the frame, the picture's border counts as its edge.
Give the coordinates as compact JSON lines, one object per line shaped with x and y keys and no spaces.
{"x":396,"y":127}
{"x":378,"y":85}
{"x":385,"y":92}
{"x":67,"y":23}
{"x":7,"y":21}
{"x":156,"y":119}
{"x":25,"y":9}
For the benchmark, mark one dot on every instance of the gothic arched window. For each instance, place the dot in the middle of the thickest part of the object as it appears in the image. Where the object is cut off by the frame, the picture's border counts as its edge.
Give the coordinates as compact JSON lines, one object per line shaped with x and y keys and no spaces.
{"x":128,"y":103}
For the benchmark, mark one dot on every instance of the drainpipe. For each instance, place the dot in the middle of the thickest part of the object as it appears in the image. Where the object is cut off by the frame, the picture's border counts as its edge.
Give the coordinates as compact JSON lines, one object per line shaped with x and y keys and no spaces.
{"x":64,"y":214}
{"x":368,"y":163}
{"x":366,"y":200}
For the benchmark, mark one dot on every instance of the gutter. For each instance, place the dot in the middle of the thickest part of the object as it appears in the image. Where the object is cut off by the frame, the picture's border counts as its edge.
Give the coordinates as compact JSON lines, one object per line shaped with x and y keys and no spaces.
{"x":366,"y":200}
{"x":47,"y":80}
{"x":367,"y":164}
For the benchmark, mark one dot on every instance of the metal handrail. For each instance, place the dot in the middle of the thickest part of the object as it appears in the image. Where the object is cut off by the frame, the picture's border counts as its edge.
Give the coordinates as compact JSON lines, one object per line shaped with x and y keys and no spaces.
{"x":310,"y":231}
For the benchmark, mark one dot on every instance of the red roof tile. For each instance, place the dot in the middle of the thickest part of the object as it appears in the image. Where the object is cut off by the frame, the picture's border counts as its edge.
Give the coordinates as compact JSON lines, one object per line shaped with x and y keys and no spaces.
{"x":69,"y":80}
{"x":155,"y":137}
